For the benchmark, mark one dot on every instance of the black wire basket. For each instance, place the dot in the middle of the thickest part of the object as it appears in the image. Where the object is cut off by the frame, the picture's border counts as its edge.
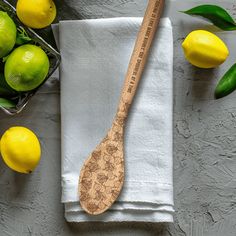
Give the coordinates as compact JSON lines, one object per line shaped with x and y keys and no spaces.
{"x":21,"y":99}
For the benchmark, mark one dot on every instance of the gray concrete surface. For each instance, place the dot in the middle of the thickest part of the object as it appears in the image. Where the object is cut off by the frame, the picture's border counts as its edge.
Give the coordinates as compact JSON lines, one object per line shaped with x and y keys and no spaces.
{"x":204,"y":145}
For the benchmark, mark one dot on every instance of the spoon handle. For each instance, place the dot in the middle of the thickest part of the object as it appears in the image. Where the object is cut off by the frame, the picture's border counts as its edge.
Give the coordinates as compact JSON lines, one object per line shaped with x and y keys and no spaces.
{"x":140,"y":54}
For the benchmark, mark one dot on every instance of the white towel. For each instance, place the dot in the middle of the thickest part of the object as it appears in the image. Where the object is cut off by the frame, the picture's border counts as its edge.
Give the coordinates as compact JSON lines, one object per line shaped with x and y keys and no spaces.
{"x":95,"y":56}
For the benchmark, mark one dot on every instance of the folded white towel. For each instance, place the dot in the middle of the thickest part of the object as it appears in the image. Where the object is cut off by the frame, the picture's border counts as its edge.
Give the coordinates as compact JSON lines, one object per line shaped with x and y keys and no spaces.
{"x":95,"y":57}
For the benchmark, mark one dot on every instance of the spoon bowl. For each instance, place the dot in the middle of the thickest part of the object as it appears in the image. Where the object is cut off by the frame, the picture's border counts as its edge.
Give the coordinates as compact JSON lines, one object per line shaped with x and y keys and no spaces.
{"x":102,"y":175}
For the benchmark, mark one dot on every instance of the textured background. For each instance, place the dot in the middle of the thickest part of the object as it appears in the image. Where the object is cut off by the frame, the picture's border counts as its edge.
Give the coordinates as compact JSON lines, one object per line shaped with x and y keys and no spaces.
{"x":204,"y":145}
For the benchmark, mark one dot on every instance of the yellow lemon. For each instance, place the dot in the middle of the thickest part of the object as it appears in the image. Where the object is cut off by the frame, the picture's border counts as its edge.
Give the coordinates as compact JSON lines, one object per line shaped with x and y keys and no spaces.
{"x":20,"y":149}
{"x":204,"y":49}
{"x":36,"y":14}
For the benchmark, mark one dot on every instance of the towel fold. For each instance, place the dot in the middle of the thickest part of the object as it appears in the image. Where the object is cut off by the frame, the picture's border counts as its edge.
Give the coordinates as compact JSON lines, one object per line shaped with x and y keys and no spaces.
{"x":95,"y":56}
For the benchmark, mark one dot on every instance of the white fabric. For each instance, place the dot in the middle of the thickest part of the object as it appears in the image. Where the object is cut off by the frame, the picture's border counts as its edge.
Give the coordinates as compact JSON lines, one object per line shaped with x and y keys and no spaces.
{"x":95,"y":56}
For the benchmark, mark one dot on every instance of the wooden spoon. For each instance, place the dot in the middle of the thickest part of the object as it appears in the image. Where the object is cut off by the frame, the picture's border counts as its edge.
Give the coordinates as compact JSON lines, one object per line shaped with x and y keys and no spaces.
{"x":102,"y":176}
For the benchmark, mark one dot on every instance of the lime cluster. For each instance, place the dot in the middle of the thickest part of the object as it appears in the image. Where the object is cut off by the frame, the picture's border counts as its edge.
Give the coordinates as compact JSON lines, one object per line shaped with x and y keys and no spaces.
{"x":23,"y":68}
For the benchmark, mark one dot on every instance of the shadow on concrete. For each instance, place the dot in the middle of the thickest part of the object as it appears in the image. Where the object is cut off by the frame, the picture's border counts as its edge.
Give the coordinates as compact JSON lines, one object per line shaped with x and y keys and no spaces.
{"x":151,"y":229}
{"x":203,"y":82}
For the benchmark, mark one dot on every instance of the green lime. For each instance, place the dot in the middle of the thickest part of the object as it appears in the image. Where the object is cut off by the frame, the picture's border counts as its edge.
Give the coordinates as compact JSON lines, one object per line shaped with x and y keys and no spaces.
{"x":7,"y":34}
{"x":26,"y":68}
{"x":5,"y":89}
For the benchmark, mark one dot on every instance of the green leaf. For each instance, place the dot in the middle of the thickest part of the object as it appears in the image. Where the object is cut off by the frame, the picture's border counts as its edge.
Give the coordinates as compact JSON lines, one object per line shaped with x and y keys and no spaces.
{"x":217,"y":15}
{"x":22,"y":37}
{"x":227,"y":84}
{"x":4,"y":59}
{"x":6,"y":103}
